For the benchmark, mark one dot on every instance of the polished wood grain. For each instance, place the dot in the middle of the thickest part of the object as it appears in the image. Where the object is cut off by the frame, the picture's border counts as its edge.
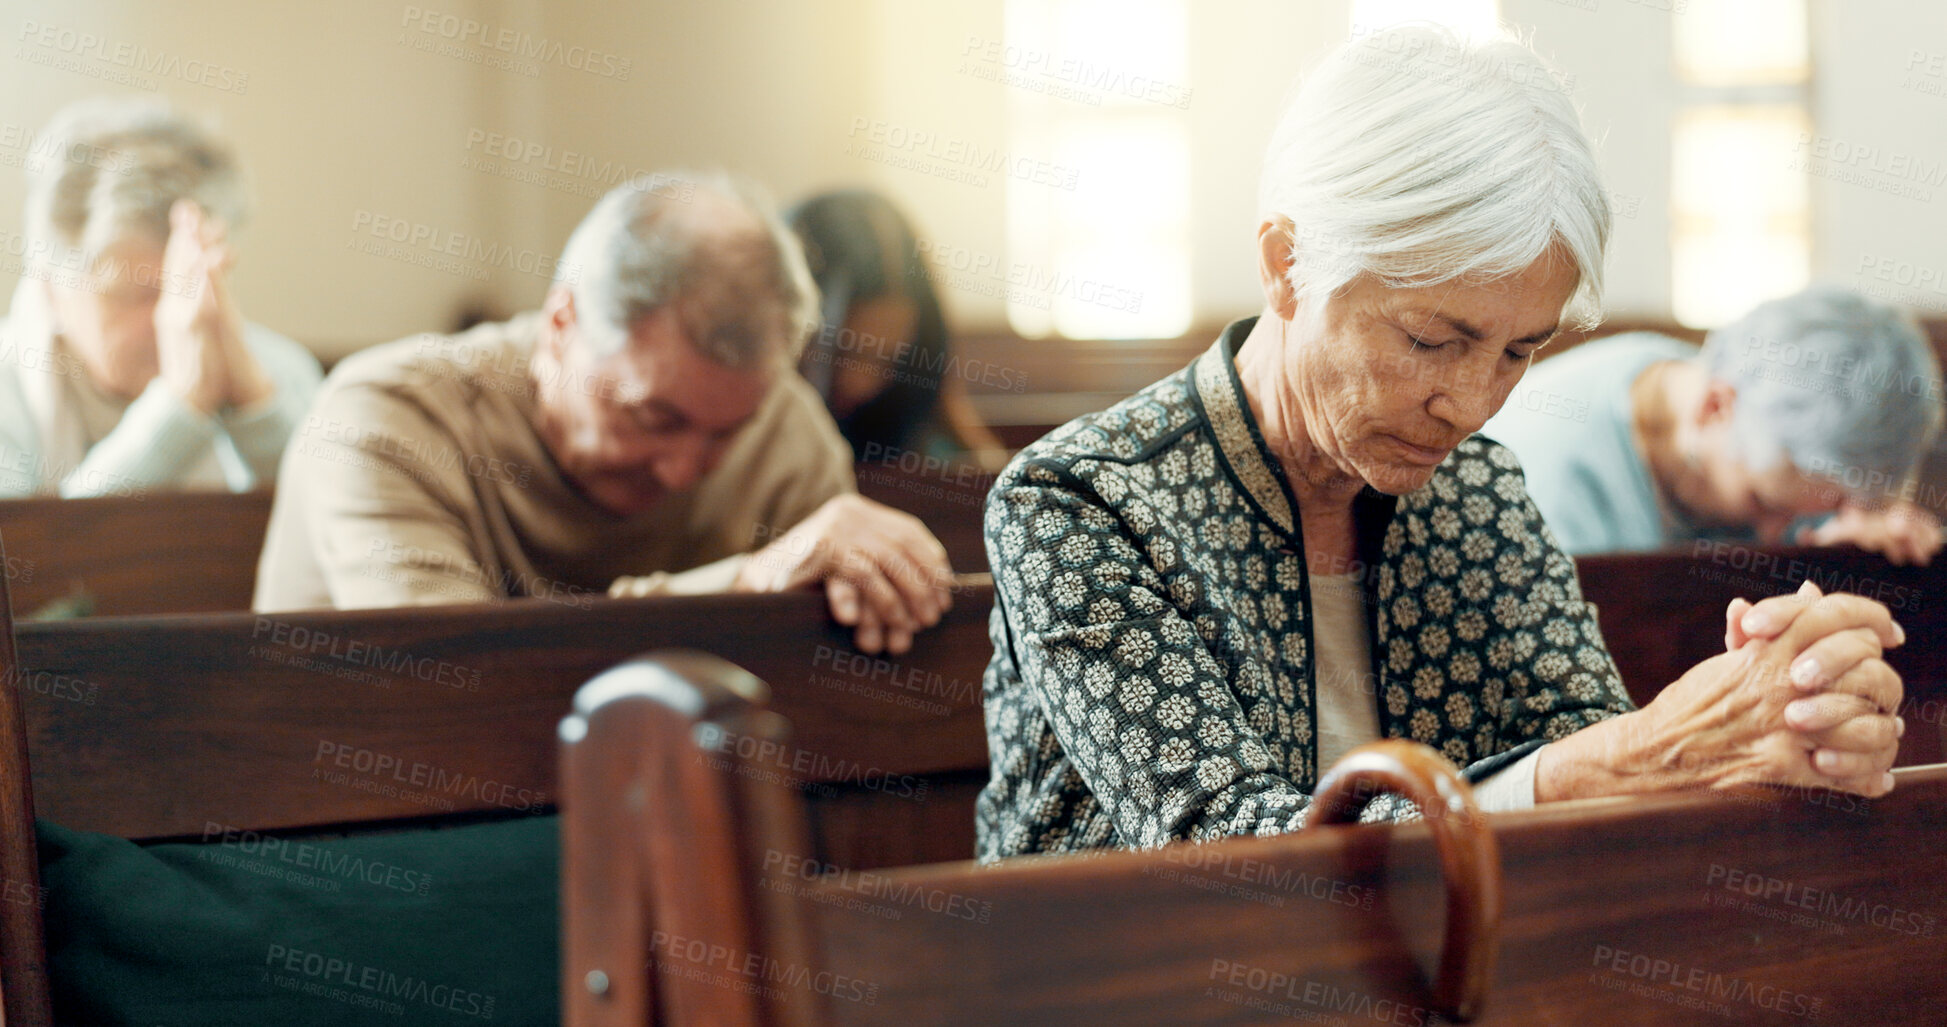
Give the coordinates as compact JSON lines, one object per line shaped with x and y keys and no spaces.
{"x":161,"y":726}
{"x":1663,"y":613}
{"x":660,"y":752}
{"x":1470,"y":863}
{"x":24,"y":996}
{"x":1661,"y":910}
{"x":162,"y":552}
{"x":948,"y":496}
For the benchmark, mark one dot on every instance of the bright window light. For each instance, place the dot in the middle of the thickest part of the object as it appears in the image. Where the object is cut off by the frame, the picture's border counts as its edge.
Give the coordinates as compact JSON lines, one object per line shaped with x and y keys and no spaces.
{"x":1469,"y":19}
{"x":1741,"y":224}
{"x":1107,"y":257}
{"x":1742,"y":43}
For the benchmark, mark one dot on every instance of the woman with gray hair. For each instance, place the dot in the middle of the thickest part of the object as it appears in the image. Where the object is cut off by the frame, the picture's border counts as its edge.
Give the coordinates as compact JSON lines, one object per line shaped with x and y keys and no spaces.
{"x":131,"y":366}
{"x":1819,"y":402}
{"x":1206,"y":593}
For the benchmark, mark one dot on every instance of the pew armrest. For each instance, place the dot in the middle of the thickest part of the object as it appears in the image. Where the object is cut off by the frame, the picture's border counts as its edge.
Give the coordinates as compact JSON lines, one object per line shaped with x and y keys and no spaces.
{"x":667,"y":813}
{"x":1470,"y":862}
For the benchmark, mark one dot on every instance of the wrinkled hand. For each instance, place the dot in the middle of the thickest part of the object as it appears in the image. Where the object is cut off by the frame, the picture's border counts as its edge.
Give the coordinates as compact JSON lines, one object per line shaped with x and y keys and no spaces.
{"x":1903,"y":532}
{"x":1801,"y":696}
{"x":199,"y":331}
{"x":883,"y":573}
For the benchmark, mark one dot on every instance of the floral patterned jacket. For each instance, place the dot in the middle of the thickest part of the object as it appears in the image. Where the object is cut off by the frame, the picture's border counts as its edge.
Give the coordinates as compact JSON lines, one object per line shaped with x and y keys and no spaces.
{"x":1152,"y":676}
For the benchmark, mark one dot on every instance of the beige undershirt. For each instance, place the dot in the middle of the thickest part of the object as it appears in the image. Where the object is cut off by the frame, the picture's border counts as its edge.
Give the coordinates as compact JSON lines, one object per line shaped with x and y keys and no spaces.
{"x":1348,"y":703}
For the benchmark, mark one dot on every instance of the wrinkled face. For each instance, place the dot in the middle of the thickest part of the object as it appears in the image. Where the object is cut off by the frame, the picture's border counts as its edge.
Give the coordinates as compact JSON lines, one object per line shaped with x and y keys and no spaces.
{"x":107,"y":314}
{"x":640,"y":424}
{"x":1767,"y":501}
{"x":1392,"y":379}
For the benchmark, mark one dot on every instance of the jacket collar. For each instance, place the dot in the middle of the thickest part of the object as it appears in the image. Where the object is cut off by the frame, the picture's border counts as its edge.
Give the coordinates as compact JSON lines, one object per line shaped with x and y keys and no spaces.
{"x":1240,"y":444}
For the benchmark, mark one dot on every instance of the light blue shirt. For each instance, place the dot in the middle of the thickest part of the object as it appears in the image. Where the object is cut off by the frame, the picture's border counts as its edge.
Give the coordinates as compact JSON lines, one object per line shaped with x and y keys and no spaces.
{"x":1569,"y":424}
{"x":160,"y":442}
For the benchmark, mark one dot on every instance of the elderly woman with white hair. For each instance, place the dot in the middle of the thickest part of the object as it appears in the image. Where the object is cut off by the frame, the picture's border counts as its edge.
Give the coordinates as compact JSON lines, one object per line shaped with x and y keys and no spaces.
{"x":1297,"y":544}
{"x":1820,"y":402}
{"x":130,"y":366}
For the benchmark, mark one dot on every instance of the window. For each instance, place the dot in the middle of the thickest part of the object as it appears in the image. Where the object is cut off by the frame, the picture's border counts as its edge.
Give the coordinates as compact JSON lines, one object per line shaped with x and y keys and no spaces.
{"x":1740,"y":202}
{"x":1108,"y":256}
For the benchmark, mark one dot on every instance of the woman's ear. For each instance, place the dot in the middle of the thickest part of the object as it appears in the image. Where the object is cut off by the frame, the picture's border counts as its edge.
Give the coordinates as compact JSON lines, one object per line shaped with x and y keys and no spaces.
{"x":1274,"y":258}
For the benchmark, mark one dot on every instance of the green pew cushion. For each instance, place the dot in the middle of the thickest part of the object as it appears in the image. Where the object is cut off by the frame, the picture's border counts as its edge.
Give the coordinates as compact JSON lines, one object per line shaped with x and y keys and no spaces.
{"x":455,"y":925}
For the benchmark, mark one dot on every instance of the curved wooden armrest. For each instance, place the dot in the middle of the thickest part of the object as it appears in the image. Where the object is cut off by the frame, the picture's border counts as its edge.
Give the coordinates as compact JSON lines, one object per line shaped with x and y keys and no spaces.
{"x":1470,"y":862}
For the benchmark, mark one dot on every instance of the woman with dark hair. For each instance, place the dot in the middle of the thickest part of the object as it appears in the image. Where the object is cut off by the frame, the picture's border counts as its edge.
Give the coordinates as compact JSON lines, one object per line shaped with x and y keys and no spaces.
{"x":880,"y":356}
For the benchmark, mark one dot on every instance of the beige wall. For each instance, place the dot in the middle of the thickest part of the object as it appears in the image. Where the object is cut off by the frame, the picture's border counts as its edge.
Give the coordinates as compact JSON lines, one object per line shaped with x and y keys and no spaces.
{"x":342,"y":120}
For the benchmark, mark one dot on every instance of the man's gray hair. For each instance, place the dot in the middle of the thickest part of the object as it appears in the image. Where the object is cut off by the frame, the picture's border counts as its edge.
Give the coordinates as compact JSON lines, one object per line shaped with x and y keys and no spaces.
{"x":739,"y":282}
{"x":1848,"y":388}
{"x":1417,"y":158}
{"x":110,"y":168}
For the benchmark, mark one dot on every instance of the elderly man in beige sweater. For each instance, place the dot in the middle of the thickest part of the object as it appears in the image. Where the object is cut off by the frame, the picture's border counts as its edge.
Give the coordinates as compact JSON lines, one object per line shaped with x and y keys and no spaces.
{"x":642,"y":433}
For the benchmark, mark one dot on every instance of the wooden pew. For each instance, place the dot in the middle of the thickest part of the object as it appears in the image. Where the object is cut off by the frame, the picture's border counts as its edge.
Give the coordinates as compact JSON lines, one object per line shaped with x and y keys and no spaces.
{"x":149,"y":727}
{"x":154,"y":728}
{"x":1754,"y":906}
{"x":1663,"y":613}
{"x":949,"y":497}
{"x":196,"y":552}
{"x":176,"y":552}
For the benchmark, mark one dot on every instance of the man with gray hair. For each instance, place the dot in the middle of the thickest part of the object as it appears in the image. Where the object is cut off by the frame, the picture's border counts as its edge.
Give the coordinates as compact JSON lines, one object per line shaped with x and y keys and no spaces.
{"x":642,"y":433}
{"x":1817,"y":403}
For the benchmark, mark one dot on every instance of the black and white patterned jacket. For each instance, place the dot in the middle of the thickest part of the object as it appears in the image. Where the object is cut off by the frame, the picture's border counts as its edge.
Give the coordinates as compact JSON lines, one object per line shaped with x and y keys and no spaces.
{"x":1152,"y":676}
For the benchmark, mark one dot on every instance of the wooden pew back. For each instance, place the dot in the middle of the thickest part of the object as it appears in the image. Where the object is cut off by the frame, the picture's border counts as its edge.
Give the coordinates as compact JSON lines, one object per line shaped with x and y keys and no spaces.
{"x":1663,"y":613}
{"x":169,"y":727}
{"x":1754,"y":906}
{"x":177,"y":552}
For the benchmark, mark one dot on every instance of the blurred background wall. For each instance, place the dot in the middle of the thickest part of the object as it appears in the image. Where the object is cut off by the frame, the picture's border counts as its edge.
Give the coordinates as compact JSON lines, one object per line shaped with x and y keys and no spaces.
{"x":1075,"y":157}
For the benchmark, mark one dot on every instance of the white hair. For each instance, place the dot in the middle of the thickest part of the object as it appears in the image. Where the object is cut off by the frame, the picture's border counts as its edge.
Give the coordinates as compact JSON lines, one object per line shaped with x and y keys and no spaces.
{"x":1416,"y":158}
{"x":742,"y":291}
{"x":114,"y":167}
{"x":1846,"y":387}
